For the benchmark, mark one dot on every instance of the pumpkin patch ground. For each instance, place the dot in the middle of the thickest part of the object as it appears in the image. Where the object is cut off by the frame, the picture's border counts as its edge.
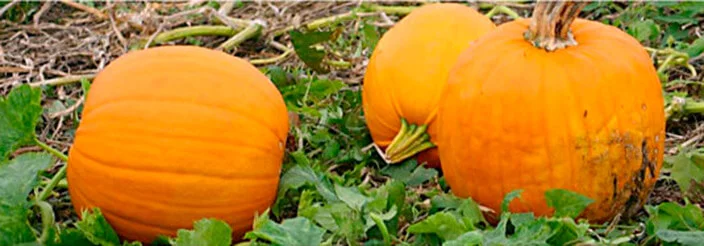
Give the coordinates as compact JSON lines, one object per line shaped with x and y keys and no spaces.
{"x":342,"y":123}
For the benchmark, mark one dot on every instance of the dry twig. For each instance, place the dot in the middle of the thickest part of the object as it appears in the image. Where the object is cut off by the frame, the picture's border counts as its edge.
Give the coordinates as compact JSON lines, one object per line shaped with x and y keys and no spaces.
{"x":97,"y":13}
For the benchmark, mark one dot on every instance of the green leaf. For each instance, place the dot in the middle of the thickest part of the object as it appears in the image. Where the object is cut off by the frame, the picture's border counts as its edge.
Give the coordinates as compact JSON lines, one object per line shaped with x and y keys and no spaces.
{"x":278,"y":76}
{"x":19,"y":114}
{"x":444,"y":201}
{"x":444,"y":224}
{"x":471,"y":214}
{"x":673,"y":216}
{"x":313,"y":89}
{"x":567,"y":203}
{"x":410,"y":173}
{"x":644,"y":30}
{"x":96,"y":229}
{"x":300,"y":175}
{"x":302,"y":44}
{"x":685,"y":170}
{"x":565,"y":230}
{"x":679,"y":19}
{"x":351,"y":197}
{"x":19,"y":176}
{"x":17,"y":179}
{"x":508,"y":198}
{"x":370,"y":36}
{"x":85,"y":85}
{"x":696,"y":48}
{"x":467,"y":239}
{"x":332,"y":149}
{"x":206,"y":232}
{"x":685,"y":238}
{"x":296,"y":231}
{"x":70,"y":237}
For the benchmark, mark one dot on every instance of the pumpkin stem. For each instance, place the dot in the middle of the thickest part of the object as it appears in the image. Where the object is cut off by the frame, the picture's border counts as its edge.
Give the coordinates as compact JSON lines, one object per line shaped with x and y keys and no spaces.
{"x":410,"y":140}
{"x":550,"y":25}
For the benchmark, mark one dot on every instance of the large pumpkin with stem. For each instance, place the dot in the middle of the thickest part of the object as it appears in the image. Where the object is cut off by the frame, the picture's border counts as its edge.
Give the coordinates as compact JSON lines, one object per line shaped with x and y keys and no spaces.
{"x":174,"y":134}
{"x":553,"y":102}
{"x":406,"y":74}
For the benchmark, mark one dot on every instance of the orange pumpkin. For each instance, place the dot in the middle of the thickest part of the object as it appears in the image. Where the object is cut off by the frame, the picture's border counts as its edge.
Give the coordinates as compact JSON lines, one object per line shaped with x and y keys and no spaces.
{"x":406,"y":74}
{"x":551,"y":103}
{"x":174,"y":134}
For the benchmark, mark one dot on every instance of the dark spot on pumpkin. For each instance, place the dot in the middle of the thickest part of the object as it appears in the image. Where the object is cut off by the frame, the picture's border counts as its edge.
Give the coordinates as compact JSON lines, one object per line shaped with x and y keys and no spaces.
{"x":646,"y":162}
{"x":644,"y":107}
{"x":585,"y":114}
{"x":615,"y":188}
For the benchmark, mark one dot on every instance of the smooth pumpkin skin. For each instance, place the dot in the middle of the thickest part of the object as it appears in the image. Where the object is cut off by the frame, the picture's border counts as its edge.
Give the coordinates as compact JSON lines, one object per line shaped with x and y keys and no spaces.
{"x":174,"y":134}
{"x":409,"y":67}
{"x":588,"y":118}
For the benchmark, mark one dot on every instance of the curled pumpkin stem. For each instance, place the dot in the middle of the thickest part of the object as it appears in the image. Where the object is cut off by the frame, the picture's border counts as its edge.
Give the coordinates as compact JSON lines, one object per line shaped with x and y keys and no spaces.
{"x":550,"y":25}
{"x":410,"y":140}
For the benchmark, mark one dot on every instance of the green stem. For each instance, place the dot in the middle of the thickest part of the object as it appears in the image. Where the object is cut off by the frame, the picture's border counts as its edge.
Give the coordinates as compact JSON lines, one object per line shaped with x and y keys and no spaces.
{"x":53,"y":182}
{"x":322,"y":22}
{"x":271,"y":60}
{"x":666,"y":63}
{"x":502,"y":9}
{"x":51,"y":150}
{"x":183,"y":32}
{"x":393,"y":10}
{"x":61,"y":184}
{"x":693,"y":107}
{"x":63,"y":80}
{"x":410,"y":140}
{"x":339,"y":64}
{"x":58,"y":176}
{"x":673,"y":57}
{"x":47,"y":214}
{"x":251,"y":31}
{"x":382,"y":227}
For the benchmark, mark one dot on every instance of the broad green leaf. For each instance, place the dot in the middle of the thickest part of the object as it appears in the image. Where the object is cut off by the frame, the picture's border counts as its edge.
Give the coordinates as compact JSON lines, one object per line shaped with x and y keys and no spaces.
{"x":508,"y":198}
{"x":565,"y":230}
{"x":696,"y":48}
{"x":206,"y":232}
{"x":679,"y":19}
{"x":673,"y":216}
{"x":296,"y":231}
{"x":521,"y":219}
{"x":70,"y":237}
{"x":17,"y":179}
{"x":96,"y":229}
{"x":302,"y":43}
{"x":497,"y":236}
{"x":471,"y":214}
{"x":446,"y":225}
{"x":410,"y":173}
{"x":349,"y":223}
{"x":278,"y":76}
{"x":444,"y":201}
{"x":351,"y":197}
{"x":567,"y":203}
{"x":467,"y":239}
{"x":300,"y":175}
{"x":313,"y":89}
{"x":331,"y":150}
{"x":370,"y":36}
{"x":685,"y":238}
{"x":19,"y":114}
{"x":19,"y":176}
{"x":685,"y":170}
{"x":643,"y":31}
